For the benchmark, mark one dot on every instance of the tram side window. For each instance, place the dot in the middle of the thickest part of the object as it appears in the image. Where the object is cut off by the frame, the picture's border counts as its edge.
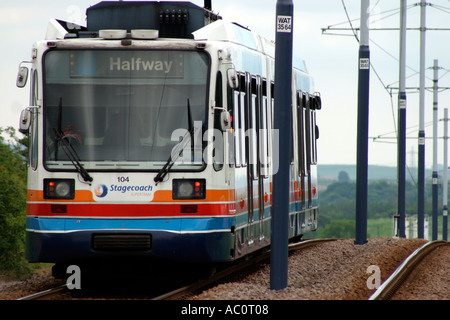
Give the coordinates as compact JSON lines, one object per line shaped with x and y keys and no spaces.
{"x":252,"y":117}
{"x":307,"y":132}
{"x":263,"y":138}
{"x":231,"y":135}
{"x":236,"y":129}
{"x":218,"y":142}
{"x":33,"y":149}
{"x":313,"y":138}
{"x":291,"y":125}
{"x":253,"y":114}
{"x":34,"y":140}
{"x":301,"y":132}
{"x":243,"y":116}
{"x":271,"y":124}
{"x":272,"y":115}
{"x":307,"y":112}
{"x":315,"y":105}
{"x":238,"y":123}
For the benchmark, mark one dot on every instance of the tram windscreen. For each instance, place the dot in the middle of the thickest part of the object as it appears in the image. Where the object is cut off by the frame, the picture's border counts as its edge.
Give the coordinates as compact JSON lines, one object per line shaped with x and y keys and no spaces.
{"x":123,"y":109}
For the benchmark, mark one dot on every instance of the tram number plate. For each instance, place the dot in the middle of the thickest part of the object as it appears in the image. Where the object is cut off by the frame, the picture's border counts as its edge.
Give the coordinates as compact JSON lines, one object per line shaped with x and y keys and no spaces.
{"x":123,"y":179}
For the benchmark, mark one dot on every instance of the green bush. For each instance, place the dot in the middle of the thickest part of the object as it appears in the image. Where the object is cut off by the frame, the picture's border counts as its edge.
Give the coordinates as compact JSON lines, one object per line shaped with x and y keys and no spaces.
{"x":12,"y":205}
{"x":341,"y":229}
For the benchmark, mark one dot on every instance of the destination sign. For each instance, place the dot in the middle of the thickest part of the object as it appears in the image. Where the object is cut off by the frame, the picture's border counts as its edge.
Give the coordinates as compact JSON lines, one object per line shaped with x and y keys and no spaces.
{"x":127,"y":64}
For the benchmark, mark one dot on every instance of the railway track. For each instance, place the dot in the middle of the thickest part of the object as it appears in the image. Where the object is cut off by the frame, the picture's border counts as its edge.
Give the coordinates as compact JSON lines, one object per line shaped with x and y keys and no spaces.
{"x":46,"y":294}
{"x":199,"y":285}
{"x":384,"y":292}
{"x":398,"y":278}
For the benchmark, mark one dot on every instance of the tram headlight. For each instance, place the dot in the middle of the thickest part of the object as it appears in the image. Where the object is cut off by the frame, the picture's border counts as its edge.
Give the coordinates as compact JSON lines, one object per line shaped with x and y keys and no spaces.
{"x":59,"y":188}
{"x":188,"y":189}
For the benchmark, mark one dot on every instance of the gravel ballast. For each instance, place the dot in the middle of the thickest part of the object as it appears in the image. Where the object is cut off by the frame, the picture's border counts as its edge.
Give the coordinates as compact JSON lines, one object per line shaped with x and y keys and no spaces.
{"x":430,"y":280}
{"x":335,"y":270}
{"x":329,"y":271}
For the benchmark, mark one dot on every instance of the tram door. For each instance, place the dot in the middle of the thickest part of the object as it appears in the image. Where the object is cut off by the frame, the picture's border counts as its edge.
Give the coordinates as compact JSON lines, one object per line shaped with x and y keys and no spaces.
{"x":308,"y":138}
{"x":263,"y":155}
{"x":257,"y":156}
{"x":304,"y":153}
{"x":249,"y":156}
{"x":301,"y":147}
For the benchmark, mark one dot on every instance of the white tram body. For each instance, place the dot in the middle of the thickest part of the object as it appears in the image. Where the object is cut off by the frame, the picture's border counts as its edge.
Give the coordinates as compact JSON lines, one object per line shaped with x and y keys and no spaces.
{"x":162,"y":147}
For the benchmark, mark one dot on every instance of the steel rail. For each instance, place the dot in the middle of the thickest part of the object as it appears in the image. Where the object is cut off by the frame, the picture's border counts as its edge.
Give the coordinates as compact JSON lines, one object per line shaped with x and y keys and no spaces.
{"x":398,"y":277}
{"x":46,"y":293}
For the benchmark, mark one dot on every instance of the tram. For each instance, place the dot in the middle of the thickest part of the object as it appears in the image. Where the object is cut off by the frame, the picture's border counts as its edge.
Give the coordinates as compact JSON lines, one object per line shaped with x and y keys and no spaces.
{"x":151,"y":135}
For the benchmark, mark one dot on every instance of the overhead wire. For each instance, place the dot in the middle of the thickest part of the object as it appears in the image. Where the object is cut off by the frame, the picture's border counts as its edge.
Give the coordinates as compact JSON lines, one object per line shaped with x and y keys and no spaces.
{"x":371,"y":65}
{"x":441,"y":8}
{"x":349,"y":21}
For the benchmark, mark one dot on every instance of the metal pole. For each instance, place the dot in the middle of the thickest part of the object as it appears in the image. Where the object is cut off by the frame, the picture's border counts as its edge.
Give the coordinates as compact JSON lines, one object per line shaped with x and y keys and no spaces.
{"x":362,"y":127}
{"x":401,"y":144}
{"x":434,"y":230}
{"x":445,"y":179}
{"x":421,"y":146}
{"x":283,"y":115}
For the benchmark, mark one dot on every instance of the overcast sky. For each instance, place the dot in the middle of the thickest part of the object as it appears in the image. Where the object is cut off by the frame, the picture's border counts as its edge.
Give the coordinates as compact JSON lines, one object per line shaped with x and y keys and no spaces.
{"x":331,"y":59}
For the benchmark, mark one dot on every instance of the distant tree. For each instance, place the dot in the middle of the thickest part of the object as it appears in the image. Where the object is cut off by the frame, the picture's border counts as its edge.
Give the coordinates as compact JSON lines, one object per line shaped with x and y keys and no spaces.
{"x":12,"y":204}
{"x":338,"y":192}
{"x":343,"y":177}
{"x":344,"y":229}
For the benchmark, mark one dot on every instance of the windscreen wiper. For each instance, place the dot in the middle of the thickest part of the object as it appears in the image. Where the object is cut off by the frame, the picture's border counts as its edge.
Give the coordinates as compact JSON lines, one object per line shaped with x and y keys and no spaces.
{"x":72,"y":155}
{"x":179,"y":148}
{"x":68,"y":148}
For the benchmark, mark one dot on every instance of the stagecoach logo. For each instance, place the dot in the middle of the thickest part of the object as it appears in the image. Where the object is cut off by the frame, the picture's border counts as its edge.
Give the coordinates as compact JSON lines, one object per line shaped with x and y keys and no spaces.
{"x":101,"y":190}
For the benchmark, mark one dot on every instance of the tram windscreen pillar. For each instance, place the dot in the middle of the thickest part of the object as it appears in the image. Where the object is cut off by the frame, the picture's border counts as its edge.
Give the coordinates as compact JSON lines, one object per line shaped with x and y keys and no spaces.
{"x":283,"y":115}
